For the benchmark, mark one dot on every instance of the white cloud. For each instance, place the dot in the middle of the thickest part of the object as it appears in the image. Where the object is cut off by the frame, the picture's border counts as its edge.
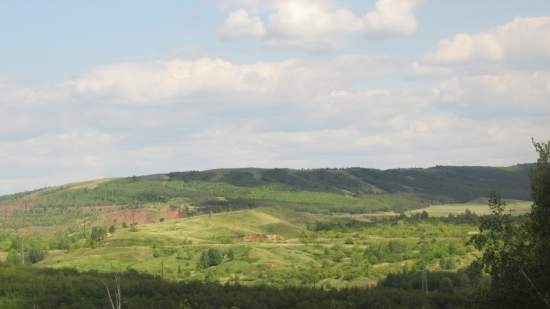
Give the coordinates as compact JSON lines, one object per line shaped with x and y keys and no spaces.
{"x":240,"y":25}
{"x":247,"y":4}
{"x":392,"y":17}
{"x":320,"y":24}
{"x":19,"y":94}
{"x":164,"y":82}
{"x":140,"y":118}
{"x":524,"y":40}
{"x":310,"y":24}
{"x":421,"y":70}
{"x":510,"y":93}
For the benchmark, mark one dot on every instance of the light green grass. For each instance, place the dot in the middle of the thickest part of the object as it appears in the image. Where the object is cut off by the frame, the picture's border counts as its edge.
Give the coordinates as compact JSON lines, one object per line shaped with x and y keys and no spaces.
{"x":513,"y":207}
{"x":91,"y":184}
{"x":3,"y":256}
{"x":288,"y":260}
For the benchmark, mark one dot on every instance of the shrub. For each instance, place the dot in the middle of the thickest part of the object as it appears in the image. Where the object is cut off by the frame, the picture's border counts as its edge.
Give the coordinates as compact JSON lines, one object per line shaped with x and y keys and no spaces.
{"x":210,"y":257}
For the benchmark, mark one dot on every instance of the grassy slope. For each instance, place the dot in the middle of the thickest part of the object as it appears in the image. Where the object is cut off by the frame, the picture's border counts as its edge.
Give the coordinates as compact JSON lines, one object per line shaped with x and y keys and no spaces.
{"x":281,"y":261}
{"x":94,"y":201}
{"x":353,"y":190}
{"x":443,"y":210}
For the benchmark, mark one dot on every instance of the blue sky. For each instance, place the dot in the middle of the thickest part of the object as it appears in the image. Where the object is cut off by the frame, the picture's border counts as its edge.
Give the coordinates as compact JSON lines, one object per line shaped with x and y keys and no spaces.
{"x":104,"y":88}
{"x":56,"y":40}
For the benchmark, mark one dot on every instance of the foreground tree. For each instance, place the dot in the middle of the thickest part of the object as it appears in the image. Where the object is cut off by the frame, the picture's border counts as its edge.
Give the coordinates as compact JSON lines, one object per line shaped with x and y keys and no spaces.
{"x":517,"y":252}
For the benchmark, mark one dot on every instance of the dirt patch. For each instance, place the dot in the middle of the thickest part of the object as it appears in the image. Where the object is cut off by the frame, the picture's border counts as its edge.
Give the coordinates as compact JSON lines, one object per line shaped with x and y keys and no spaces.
{"x":8,"y":209}
{"x":141,"y":216}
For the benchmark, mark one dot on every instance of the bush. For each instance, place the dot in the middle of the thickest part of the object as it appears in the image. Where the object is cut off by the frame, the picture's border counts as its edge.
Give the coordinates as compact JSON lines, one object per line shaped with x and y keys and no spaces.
{"x":210,"y":257}
{"x":98,"y":233}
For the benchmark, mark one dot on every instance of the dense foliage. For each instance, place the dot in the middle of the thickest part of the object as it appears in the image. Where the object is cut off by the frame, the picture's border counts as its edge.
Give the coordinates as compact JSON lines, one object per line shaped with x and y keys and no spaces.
{"x":516,"y":254}
{"x":93,"y":202}
{"x":22,"y":288}
{"x":453,"y":183}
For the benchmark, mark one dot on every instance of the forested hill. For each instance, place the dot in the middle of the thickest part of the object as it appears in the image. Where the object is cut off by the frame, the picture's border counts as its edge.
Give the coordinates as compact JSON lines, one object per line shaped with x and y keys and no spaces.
{"x":446,"y":183}
{"x":352,"y":190}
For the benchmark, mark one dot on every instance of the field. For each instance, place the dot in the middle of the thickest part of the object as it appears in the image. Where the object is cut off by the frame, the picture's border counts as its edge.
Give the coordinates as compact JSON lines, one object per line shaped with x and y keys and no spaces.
{"x":513,"y":207}
{"x":277,"y":246}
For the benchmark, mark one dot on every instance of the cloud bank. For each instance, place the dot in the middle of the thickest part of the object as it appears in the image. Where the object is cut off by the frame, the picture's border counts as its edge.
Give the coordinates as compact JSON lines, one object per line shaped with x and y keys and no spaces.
{"x":318,"y":24}
{"x":338,"y":111}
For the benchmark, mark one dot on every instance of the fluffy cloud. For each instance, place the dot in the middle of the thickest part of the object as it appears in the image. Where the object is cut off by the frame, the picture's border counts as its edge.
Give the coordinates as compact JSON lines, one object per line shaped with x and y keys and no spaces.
{"x":310,"y":24}
{"x":521,"y":41}
{"x":512,"y":93}
{"x":239,"y":25}
{"x":320,"y":24}
{"x":19,"y":94}
{"x":180,"y":114}
{"x":392,"y":17}
{"x":172,"y":80}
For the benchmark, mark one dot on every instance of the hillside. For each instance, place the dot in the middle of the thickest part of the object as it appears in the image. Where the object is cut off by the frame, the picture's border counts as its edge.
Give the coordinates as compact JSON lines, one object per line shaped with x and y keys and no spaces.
{"x":146,"y":199}
{"x":451,"y":183}
{"x":330,"y":228}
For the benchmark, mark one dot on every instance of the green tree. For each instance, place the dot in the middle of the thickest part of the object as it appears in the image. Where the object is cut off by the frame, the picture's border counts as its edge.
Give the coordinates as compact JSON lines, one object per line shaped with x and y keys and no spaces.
{"x":98,"y":233}
{"x":516,"y":252}
{"x":210,"y":257}
{"x":36,"y":255}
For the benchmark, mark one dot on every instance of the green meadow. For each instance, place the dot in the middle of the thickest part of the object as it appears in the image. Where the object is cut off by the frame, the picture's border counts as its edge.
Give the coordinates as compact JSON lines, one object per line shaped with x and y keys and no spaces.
{"x":276,"y":246}
{"x":513,"y":207}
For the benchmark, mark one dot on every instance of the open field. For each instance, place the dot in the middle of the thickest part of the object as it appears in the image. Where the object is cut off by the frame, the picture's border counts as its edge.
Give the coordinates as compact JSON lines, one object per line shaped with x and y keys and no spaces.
{"x":513,"y":207}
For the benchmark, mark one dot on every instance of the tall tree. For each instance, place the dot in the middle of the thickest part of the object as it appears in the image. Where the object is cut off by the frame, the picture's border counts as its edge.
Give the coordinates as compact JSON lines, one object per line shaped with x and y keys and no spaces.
{"x":516,"y":251}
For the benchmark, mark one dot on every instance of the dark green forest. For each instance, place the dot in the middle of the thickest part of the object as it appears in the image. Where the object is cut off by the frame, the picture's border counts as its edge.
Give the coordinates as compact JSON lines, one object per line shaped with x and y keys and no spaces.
{"x":23,"y":287}
{"x":447,"y":183}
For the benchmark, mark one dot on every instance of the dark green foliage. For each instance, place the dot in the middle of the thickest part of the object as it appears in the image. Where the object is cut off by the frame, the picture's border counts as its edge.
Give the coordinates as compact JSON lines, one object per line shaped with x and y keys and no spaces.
{"x":36,"y":255}
{"x":445,"y":183}
{"x":22,"y":288}
{"x":98,"y":233}
{"x":424,"y":215}
{"x":210,"y":257}
{"x":516,"y":254}
{"x":28,"y":250}
{"x":464,"y":279}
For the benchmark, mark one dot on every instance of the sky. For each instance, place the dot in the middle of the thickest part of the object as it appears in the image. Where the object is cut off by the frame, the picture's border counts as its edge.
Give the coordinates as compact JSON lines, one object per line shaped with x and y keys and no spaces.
{"x":93,"y":89}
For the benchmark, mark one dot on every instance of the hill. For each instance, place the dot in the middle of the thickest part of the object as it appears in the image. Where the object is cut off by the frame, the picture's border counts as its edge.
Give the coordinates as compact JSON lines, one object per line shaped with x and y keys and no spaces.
{"x":451,"y":183}
{"x":329,"y":228}
{"x":147,"y":199}
{"x":276,"y":247}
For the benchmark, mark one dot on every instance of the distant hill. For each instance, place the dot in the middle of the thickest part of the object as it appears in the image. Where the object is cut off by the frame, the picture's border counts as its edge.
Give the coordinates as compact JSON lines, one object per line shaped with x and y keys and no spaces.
{"x":445,"y":183}
{"x":146,"y":199}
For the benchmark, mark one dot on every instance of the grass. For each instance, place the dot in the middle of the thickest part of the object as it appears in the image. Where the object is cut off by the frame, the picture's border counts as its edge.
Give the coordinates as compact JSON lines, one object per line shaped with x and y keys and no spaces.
{"x":92,"y":201}
{"x":514,"y":207}
{"x":336,"y":258}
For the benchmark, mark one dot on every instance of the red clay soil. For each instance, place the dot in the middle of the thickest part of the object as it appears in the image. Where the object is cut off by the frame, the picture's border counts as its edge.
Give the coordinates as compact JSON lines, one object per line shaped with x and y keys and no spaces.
{"x":140,"y":216}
